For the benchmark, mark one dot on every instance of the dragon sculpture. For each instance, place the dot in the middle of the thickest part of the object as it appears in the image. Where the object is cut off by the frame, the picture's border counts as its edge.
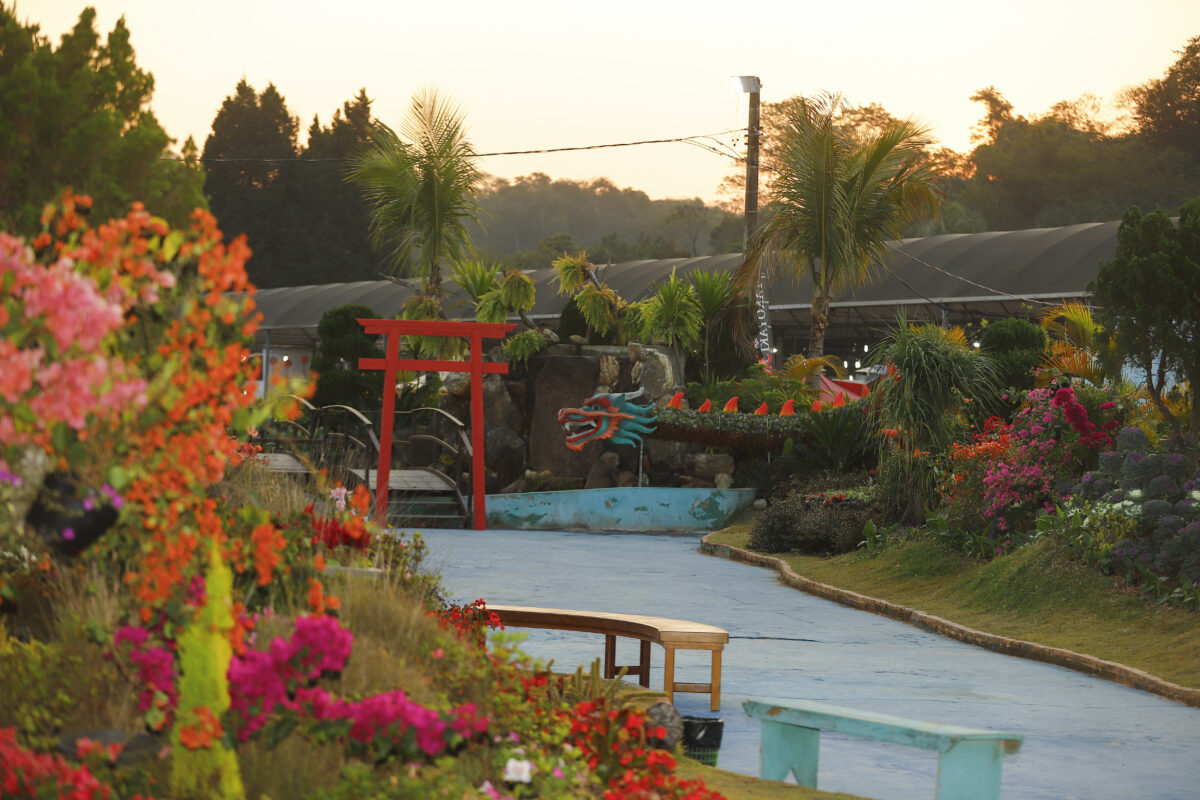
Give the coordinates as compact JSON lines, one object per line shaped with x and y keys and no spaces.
{"x":607,"y":416}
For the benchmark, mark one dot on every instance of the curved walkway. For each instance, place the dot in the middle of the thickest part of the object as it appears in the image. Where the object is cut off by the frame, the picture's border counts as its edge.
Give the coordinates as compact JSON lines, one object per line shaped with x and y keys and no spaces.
{"x":1084,"y":737}
{"x":1082,"y":662}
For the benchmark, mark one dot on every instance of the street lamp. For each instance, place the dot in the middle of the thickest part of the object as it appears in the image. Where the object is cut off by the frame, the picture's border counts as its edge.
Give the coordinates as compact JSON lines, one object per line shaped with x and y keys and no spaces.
{"x":750,"y":84}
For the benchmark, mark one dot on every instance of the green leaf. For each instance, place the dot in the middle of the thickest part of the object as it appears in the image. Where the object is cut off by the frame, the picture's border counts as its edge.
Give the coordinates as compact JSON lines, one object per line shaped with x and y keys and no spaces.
{"x":118,"y":477}
{"x":24,"y":413}
{"x":171,"y":246}
{"x":280,"y":730}
{"x":61,"y":437}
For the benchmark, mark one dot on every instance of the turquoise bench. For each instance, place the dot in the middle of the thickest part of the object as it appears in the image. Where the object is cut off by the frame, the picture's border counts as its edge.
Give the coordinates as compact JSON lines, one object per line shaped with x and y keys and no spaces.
{"x":968,"y":764}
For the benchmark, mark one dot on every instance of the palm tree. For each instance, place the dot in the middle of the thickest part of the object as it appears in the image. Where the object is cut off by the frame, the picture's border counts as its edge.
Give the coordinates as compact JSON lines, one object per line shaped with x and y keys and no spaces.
{"x":839,"y":200}
{"x":420,"y":189}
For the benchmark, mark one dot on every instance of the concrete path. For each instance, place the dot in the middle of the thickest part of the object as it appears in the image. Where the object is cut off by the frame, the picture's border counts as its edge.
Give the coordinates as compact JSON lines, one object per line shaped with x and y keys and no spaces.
{"x":1084,"y":737}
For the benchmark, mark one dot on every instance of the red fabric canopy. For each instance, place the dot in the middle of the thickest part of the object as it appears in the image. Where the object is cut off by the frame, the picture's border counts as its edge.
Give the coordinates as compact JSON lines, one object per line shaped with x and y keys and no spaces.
{"x":850,"y":390}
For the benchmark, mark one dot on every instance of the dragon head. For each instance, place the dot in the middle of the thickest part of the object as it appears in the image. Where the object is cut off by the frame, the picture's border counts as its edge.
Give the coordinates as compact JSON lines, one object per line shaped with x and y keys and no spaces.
{"x":607,"y":416}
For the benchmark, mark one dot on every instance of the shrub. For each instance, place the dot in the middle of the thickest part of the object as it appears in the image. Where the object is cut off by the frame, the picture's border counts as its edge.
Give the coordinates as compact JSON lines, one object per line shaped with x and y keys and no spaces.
{"x":1015,"y":346}
{"x":342,"y":343}
{"x":1159,"y":497}
{"x":817,"y":524}
{"x":839,"y":439}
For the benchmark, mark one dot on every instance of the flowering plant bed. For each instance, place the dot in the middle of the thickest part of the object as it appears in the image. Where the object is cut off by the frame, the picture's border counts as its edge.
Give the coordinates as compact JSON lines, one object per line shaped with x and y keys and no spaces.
{"x":731,"y":430}
{"x":203,"y":610}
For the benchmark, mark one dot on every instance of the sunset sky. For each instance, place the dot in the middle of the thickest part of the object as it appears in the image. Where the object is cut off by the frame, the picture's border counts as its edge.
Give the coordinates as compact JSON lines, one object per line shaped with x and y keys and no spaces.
{"x":533,"y":75}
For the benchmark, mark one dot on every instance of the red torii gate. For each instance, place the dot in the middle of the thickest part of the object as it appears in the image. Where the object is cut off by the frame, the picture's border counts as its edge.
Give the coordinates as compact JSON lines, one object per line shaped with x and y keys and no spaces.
{"x":391,"y":363}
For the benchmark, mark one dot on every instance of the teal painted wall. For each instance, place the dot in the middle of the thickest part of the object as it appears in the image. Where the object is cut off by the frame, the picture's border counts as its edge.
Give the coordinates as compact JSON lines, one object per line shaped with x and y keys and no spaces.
{"x":629,"y":509}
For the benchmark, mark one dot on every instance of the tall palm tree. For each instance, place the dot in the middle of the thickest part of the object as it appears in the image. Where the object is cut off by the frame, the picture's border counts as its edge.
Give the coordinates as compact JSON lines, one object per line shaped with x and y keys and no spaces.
{"x":839,"y":200}
{"x":419,"y":187}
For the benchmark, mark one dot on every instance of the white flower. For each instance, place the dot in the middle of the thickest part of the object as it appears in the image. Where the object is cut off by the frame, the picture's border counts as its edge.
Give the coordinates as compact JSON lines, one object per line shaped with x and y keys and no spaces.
{"x":1196,"y":495}
{"x":516,"y":771}
{"x":1135,"y":494}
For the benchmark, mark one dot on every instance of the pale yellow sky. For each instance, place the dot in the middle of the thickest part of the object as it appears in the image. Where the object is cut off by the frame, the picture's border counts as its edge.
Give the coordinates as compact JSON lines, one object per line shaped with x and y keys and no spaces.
{"x":532,"y":74}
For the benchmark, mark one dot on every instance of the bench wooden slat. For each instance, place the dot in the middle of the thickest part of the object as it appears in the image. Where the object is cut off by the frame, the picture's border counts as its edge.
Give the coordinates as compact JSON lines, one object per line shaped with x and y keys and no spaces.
{"x":672,"y":634}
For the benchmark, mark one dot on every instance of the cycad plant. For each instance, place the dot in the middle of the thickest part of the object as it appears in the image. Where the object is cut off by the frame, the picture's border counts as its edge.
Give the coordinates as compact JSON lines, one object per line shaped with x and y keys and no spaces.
{"x":672,"y":314}
{"x":719,"y":298}
{"x":598,"y":303}
{"x":800,"y":367}
{"x":476,"y":278}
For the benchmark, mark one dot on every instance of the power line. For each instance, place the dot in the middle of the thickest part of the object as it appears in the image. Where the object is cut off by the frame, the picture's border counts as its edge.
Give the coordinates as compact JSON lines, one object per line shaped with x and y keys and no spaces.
{"x":961,"y":278}
{"x":687,"y":139}
{"x":683,"y":139}
{"x":913,"y":289}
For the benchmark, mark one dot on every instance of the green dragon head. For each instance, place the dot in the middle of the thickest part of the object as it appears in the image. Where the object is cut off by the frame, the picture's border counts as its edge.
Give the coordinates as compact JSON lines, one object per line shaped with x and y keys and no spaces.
{"x":607,"y":416}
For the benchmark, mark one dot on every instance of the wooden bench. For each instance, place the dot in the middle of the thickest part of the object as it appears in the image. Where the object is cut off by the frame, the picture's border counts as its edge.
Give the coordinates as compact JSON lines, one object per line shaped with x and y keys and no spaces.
{"x":968,"y":764}
{"x":672,"y":634}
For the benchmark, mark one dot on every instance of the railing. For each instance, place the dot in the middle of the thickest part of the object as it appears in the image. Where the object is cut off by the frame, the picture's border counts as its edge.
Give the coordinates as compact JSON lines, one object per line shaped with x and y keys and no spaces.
{"x":342,"y":441}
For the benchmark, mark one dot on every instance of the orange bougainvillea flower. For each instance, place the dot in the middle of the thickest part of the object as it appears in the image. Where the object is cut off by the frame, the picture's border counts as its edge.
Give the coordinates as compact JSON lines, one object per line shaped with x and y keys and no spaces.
{"x":816,"y":406}
{"x":676,"y":400}
{"x":705,"y":407}
{"x":839,"y":400}
{"x":761,"y":410}
{"x":788,"y":409}
{"x":732,"y":405}
{"x":204,"y":732}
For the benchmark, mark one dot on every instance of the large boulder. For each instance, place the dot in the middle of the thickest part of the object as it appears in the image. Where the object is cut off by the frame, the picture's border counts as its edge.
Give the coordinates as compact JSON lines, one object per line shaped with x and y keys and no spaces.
{"x":708,"y":465}
{"x":656,"y":375}
{"x":667,"y":456}
{"x":458,"y":384}
{"x":605,"y":473}
{"x":499,"y":409}
{"x":504,"y":455}
{"x":559,"y":382}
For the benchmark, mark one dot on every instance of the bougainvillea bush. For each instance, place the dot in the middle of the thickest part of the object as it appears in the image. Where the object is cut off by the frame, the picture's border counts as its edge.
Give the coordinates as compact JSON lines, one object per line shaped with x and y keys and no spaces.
{"x":997,"y":484}
{"x":126,"y":399}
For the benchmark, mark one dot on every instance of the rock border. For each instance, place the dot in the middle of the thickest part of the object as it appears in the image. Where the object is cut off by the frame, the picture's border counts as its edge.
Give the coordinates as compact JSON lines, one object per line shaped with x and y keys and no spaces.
{"x":1090,"y":665}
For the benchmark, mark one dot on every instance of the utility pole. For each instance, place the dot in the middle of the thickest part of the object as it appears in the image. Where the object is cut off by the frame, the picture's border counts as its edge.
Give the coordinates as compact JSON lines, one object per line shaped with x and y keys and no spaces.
{"x":753,"y":85}
{"x":762,"y":341}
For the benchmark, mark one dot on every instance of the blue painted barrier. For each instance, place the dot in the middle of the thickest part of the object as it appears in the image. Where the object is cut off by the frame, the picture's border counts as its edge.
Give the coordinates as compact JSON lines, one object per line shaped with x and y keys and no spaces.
{"x":646,"y":508}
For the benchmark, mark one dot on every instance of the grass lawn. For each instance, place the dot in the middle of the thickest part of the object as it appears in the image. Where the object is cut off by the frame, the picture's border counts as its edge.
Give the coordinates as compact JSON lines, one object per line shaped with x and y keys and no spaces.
{"x":1038,"y":593}
{"x":741,"y":787}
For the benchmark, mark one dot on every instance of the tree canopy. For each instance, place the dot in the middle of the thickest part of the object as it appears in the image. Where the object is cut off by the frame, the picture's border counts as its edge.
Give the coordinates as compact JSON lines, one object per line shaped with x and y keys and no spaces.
{"x":78,"y":116}
{"x":1149,"y":298}
{"x":1168,"y":108}
{"x":1066,"y":166}
{"x":304,"y":224}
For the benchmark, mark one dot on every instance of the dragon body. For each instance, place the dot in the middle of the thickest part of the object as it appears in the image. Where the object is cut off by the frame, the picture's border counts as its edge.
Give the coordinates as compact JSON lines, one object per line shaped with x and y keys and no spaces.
{"x":607,"y":416}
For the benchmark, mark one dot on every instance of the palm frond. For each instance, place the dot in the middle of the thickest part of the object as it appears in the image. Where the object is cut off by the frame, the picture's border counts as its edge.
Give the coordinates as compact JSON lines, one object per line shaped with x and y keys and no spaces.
{"x":801,"y":368}
{"x":419,"y":187}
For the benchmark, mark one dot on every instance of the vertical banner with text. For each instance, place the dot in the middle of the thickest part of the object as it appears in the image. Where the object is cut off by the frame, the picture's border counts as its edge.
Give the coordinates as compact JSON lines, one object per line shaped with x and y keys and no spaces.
{"x":762,"y":342}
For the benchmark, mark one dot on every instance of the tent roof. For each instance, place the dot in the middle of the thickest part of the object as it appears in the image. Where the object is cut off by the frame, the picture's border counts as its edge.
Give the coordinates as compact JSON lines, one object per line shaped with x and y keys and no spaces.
{"x":964,"y":277}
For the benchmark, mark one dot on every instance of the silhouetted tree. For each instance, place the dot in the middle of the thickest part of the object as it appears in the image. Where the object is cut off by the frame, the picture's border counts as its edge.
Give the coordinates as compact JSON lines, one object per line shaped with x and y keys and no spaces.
{"x":78,"y":116}
{"x":304,"y":224}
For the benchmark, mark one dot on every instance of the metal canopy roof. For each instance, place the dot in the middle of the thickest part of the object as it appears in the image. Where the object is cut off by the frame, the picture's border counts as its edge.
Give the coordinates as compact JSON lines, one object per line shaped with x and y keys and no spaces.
{"x":959,"y":277}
